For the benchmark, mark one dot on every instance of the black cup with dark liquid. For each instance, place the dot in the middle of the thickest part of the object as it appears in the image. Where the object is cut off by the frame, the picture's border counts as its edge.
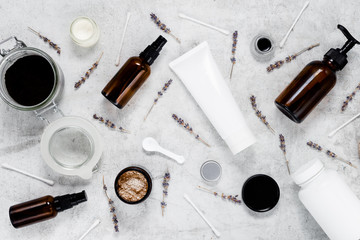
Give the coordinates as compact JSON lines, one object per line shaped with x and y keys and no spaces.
{"x":30,"y":80}
{"x":264,"y":44}
{"x":260,"y":193}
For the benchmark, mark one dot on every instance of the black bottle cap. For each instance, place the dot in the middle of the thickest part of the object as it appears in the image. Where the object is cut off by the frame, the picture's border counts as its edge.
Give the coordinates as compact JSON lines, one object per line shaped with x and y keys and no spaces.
{"x":152,"y":51}
{"x":338,"y":56}
{"x":67,"y":201}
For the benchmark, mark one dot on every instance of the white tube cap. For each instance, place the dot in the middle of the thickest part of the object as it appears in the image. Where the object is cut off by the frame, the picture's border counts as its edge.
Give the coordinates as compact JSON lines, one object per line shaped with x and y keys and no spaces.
{"x":239,"y":140}
{"x":307,"y":171}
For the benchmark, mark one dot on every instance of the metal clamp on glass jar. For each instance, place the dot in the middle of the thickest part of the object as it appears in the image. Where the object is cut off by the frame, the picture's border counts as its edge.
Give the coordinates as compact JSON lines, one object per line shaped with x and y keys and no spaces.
{"x":30,"y":80}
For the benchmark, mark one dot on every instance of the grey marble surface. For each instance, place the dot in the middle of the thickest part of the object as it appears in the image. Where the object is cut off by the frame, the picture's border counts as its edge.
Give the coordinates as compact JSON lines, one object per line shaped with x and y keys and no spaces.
{"x":21,"y":132}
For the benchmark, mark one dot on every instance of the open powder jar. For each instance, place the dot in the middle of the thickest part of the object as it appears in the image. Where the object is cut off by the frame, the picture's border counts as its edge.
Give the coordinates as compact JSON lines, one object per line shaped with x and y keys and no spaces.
{"x":133,"y":185}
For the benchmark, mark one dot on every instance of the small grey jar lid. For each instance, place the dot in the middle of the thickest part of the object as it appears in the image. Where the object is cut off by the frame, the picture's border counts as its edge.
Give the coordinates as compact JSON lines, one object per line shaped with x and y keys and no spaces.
{"x":210,"y":171}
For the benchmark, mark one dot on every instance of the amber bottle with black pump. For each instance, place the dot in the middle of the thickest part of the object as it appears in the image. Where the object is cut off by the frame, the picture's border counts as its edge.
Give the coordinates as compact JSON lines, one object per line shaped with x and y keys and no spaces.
{"x":316,"y":80}
{"x":132,"y":75}
{"x":43,"y":208}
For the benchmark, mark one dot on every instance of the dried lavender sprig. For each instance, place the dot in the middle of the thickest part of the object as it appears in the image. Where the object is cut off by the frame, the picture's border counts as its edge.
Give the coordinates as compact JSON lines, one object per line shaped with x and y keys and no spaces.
{"x":109,"y":124}
{"x":283,"y":149}
{"x":187,"y":127}
{"x":87,"y":74}
{"x":165,"y":184}
{"x":258,"y":113}
{"x":349,"y":98}
{"x":52,"y":44}
{"x":233,"y":51}
{"x":112,"y":208}
{"x":223,"y":196}
{"x":160,"y":93}
{"x":288,"y":59}
{"x":329,"y":153}
{"x":162,"y":26}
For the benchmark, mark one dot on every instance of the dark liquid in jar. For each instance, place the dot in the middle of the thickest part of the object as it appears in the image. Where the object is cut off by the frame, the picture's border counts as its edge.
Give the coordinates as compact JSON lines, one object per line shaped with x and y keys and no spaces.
{"x":30,"y":80}
{"x":264,"y":44}
{"x":260,"y":193}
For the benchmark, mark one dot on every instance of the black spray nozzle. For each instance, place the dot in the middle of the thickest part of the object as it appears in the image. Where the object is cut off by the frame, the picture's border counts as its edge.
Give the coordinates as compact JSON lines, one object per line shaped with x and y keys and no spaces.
{"x":69,"y":200}
{"x":350,"y":42}
{"x":159,"y":43}
{"x":152,"y":51}
{"x":338,"y":56}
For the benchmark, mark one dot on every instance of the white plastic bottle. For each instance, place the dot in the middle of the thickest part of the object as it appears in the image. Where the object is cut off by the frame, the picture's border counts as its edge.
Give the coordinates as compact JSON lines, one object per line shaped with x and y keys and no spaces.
{"x":329,"y":200}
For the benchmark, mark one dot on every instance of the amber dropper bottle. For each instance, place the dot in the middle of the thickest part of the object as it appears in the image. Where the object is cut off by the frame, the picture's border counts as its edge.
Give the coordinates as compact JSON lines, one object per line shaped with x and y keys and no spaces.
{"x":132,"y":75}
{"x":43,"y":208}
{"x":314,"y":82}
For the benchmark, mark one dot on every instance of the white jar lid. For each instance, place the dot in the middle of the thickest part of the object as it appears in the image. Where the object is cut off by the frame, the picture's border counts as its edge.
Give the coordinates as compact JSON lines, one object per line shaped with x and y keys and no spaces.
{"x":72,"y":146}
{"x":307,"y":171}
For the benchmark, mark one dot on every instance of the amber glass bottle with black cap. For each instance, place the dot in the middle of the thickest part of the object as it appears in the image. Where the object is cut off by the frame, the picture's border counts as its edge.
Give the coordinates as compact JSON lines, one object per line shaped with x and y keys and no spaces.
{"x":43,"y":208}
{"x":132,"y":75}
{"x":314,"y":82}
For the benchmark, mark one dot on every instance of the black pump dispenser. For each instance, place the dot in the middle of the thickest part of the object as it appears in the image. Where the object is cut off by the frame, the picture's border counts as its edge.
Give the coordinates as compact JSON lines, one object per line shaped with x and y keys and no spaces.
{"x":67,"y":201}
{"x":152,"y":51}
{"x":338,"y":56}
{"x":314,"y":82}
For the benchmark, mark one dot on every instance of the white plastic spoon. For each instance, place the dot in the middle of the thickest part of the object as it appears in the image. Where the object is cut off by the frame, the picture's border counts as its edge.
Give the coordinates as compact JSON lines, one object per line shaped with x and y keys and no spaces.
{"x":151,"y":145}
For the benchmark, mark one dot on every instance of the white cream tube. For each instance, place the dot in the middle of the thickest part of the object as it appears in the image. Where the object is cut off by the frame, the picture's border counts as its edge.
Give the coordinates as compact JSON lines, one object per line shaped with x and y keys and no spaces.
{"x":199,"y":73}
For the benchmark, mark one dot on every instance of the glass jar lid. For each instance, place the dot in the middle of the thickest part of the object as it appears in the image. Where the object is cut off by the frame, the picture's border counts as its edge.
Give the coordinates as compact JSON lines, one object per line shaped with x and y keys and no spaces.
{"x":72,"y":146}
{"x":210,"y":171}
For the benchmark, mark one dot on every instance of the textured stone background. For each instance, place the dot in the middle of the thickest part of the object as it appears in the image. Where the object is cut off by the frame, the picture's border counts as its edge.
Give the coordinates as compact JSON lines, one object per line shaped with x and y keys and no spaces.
{"x":21,"y":131}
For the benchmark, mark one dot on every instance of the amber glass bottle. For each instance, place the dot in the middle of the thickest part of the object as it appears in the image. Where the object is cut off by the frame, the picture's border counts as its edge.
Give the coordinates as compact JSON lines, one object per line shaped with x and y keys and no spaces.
{"x":132,"y":75}
{"x":43,"y":208}
{"x":314,"y":82}
{"x":308,"y":88}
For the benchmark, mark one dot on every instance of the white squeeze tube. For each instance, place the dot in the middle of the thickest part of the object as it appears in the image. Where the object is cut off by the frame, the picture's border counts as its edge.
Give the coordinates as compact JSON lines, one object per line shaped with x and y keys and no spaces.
{"x":201,"y":76}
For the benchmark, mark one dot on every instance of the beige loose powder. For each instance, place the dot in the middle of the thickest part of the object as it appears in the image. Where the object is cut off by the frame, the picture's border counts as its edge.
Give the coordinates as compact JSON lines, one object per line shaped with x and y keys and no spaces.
{"x":133,"y":186}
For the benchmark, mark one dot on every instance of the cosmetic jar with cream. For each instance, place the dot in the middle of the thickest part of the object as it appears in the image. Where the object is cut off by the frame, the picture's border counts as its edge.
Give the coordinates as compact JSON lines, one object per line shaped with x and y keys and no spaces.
{"x":84,"y":32}
{"x":133,"y":185}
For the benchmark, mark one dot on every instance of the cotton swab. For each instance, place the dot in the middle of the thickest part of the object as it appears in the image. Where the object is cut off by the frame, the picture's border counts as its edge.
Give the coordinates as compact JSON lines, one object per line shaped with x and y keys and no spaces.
{"x":204,"y":24}
{"x":47,"y":181}
{"x":282,"y":43}
{"x":117,"y":62}
{"x":344,"y":125}
{"x":97,"y":222}
{"x":216,"y":232}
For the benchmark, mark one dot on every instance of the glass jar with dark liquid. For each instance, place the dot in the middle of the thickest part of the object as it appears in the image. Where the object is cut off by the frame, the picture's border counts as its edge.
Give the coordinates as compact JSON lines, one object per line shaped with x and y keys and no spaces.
{"x":262,"y":48}
{"x":30,"y":80}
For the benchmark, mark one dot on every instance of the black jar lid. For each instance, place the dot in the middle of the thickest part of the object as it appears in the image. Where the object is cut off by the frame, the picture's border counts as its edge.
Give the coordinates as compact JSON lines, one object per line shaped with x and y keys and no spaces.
{"x":260,"y":193}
